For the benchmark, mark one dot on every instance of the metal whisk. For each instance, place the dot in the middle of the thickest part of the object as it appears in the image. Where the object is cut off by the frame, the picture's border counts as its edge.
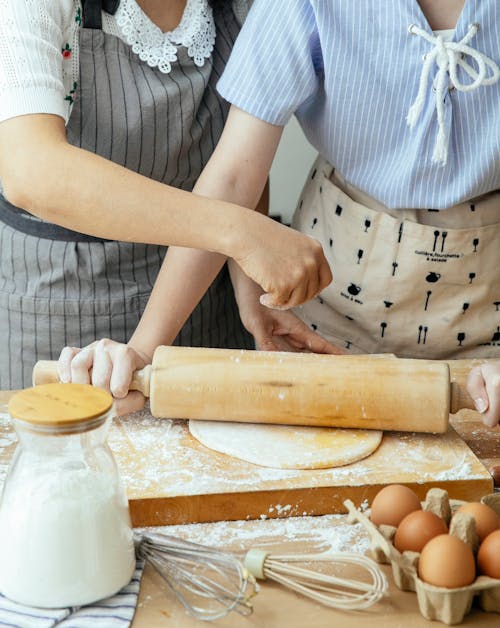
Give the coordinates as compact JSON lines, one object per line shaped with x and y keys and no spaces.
{"x":208,"y":582}
{"x":211,"y":583}
{"x":330,"y":590}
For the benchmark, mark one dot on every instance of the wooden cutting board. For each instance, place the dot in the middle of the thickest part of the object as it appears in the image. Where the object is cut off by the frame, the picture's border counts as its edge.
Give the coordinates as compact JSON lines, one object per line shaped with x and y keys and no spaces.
{"x":173,"y":479}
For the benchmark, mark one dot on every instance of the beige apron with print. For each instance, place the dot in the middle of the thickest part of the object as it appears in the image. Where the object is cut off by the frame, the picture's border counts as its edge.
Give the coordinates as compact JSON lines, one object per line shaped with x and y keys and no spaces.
{"x":416,"y":283}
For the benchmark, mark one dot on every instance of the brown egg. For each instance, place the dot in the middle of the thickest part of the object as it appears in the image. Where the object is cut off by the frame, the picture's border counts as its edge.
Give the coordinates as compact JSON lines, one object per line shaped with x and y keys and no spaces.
{"x":485,"y":517}
{"x":392,"y":504}
{"x":417,"y":529}
{"x":446,"y":561}
{"x":488,"y":557}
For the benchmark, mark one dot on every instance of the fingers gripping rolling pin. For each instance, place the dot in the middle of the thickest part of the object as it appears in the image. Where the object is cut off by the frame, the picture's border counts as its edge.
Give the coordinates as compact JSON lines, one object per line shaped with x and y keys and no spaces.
{"x":350,"y":391}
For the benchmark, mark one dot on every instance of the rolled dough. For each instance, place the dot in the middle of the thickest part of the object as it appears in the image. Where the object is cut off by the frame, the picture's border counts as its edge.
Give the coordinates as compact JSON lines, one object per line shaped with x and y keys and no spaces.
{"x":286,"y":446}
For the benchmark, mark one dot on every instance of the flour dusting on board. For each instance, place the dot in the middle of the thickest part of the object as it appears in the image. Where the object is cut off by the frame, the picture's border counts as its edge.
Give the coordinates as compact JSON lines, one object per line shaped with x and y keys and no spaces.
{"x":159,"y":454}
{"x":159,"y":457}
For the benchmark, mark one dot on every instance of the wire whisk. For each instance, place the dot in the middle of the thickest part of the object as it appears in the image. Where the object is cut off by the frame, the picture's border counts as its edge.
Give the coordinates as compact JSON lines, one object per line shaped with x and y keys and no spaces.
{"x":329,"y":590}
{"x":208,"y":582}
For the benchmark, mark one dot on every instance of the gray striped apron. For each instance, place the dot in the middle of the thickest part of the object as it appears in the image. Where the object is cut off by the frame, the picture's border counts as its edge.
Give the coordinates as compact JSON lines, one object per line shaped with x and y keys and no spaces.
{"x":60,"y":288}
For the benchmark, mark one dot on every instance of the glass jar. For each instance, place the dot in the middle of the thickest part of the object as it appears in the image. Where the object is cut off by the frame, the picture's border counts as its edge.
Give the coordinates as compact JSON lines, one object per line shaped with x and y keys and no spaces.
{"x":65,"y":533}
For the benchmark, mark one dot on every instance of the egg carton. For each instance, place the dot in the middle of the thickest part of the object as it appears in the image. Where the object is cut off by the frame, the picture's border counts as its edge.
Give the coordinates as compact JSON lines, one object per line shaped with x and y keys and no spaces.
{"x":435,"y":603}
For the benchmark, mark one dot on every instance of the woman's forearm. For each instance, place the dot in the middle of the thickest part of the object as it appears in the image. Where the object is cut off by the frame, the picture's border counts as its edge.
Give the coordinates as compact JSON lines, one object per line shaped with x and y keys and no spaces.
{"x":79,"y":190}
{"x":76,"y":189}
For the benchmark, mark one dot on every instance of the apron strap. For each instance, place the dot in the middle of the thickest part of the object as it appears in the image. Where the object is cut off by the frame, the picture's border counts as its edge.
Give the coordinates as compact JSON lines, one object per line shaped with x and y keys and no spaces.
{"x":92,"y":11}
{"x":22,"y":221}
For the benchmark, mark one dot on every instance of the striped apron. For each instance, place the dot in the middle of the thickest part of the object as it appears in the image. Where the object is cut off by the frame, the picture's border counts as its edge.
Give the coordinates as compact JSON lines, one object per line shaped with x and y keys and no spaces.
{"x":58,"y":287}
{"x":418,"y":283}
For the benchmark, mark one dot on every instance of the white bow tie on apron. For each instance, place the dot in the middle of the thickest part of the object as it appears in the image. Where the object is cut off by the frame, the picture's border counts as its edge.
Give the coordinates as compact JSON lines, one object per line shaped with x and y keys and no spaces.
{"x":448,"y":55}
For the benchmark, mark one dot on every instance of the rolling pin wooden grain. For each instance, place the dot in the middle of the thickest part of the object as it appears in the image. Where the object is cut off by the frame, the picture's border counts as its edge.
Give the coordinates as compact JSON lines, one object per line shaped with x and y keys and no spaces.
{"x":349,"y":391}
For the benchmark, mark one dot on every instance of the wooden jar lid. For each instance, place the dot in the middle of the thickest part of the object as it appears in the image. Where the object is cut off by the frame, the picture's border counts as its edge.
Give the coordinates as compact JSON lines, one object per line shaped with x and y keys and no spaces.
{"x":63,"y":405}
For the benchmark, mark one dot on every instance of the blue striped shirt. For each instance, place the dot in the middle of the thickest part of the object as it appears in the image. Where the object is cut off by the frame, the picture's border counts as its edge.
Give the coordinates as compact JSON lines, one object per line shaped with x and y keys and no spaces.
{"x":350,"y":71}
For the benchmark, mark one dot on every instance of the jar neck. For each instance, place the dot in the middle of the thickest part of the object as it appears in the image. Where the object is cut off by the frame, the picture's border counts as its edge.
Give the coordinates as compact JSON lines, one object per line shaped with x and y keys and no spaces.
{"x":92,"y":433}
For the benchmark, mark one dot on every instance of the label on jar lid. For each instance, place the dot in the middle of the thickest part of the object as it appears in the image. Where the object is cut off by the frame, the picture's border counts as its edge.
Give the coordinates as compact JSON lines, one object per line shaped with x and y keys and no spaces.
{"x":59,"y":404}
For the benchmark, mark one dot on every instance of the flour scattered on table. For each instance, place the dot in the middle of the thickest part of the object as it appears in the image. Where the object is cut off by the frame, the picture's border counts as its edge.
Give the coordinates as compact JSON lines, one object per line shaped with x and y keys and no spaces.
{"x":308,"y":534}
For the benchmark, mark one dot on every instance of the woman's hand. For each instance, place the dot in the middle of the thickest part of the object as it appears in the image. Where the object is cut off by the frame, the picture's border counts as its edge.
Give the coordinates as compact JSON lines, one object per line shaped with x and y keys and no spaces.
{"x":107,"y":364}
{"x":290,"y":266}
{"x":483,"y":385}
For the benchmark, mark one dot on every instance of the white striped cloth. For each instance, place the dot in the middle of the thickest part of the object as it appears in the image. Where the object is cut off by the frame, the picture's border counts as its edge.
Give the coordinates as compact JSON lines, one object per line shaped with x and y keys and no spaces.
{"x":351,"y":72}
{"x":113,"y":612}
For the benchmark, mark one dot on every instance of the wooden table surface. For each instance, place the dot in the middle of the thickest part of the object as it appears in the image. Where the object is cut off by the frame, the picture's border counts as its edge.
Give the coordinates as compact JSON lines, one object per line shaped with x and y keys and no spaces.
{"x":276,"y":607}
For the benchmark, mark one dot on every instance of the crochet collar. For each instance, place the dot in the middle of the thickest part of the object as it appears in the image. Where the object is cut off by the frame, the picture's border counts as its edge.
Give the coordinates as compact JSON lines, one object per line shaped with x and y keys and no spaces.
{"x":195,"y":32}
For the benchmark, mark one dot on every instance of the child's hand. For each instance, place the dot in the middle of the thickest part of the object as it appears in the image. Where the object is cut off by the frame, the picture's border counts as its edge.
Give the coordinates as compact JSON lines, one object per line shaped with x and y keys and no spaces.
{"x":276,"y":330}
{"x":108,"y":365}
{"x":483,"y":385}
{"x":283,"y":331}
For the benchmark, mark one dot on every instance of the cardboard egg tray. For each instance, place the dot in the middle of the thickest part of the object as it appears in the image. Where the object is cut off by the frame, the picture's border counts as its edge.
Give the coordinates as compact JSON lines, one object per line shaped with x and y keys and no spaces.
{"x":436,"y":603}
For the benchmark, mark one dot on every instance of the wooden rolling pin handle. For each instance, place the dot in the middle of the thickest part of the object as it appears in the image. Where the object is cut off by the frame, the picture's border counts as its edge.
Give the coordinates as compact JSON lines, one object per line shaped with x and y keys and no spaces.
{"x":141,"y":380}
{"x":45,"y":372}
{"x":460,"y":398}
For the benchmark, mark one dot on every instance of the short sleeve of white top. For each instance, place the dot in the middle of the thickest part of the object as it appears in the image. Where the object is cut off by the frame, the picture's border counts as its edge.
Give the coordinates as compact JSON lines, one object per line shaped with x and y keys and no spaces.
{"x":39,"y":65}
{"x":350,"y":72}
{"x":31,"y":63}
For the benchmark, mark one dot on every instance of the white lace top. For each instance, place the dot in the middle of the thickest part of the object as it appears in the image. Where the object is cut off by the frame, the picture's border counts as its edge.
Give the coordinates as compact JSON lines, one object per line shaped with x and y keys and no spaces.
{"x":39,"y":67}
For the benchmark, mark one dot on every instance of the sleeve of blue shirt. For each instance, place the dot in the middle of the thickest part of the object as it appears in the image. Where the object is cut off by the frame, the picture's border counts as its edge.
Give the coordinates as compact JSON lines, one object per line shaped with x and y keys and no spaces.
{"x":276,"y":62}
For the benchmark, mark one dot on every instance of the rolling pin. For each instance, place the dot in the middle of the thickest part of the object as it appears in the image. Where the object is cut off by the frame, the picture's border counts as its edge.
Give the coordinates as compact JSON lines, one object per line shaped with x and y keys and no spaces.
{"x":349,"y":391}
